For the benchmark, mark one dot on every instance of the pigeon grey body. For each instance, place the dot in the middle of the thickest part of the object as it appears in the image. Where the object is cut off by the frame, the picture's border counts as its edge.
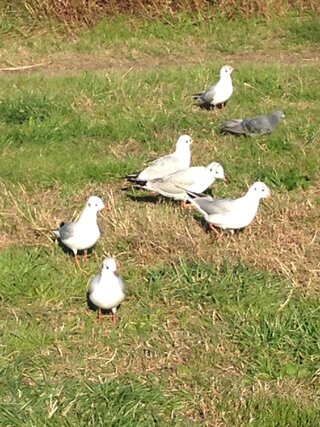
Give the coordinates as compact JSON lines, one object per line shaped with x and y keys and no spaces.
{"x":258,"y":125}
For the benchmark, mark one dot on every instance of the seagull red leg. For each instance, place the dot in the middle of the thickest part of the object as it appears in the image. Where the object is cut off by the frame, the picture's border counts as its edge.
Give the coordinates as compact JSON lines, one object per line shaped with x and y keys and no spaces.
{"x":216,"y":232}
{"x":114,"y":318}
{"x":185,"y":204}
{"x":76,"y":259}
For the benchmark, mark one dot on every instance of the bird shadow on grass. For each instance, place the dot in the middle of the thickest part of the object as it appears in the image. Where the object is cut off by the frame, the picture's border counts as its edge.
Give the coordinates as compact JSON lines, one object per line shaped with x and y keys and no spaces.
{"x":227,"y":233}
{"x":209,"y":107}
{"x":202,"y":223}
{"x":153,"y":199}
{"x":68,"y":251}
{"x":206,"y":107}
{"x":94,"y":308}
{"x":144,"y":198}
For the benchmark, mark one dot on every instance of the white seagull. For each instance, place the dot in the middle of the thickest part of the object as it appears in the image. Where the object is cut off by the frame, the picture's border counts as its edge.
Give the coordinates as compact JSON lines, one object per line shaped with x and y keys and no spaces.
{"x":218,"y":94}
{"x":106,"y":289}
{"x":84,"y":233}
{"x":168,"y":164}
{"x":231,"y":214}
{"x":195,"y":179}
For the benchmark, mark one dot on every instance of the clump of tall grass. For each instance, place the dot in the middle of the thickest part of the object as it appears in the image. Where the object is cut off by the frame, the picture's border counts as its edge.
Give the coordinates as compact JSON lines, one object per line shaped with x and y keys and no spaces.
{"x":89,"y":11}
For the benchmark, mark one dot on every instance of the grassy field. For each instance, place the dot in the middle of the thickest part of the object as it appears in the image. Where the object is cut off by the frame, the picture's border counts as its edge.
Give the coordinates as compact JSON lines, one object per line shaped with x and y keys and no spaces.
{"x":211,"y":333}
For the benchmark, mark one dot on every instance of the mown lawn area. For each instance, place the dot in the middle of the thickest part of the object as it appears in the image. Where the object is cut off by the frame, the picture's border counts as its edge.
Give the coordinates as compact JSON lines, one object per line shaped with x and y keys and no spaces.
{"x":212,"y":333}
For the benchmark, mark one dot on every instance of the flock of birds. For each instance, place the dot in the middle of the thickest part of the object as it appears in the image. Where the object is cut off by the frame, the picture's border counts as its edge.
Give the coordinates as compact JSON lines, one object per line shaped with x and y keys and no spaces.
{"x":172,"y":176}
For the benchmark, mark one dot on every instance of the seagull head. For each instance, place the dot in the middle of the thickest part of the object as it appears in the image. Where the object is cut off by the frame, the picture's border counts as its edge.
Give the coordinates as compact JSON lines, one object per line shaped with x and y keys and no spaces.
{"x":184,"y":141}
{"x":109,"y":265}
{"x":216,"y":170}
{"x":226,"y":70}
{"x":259,"y":190}
{"x":95,"y":203}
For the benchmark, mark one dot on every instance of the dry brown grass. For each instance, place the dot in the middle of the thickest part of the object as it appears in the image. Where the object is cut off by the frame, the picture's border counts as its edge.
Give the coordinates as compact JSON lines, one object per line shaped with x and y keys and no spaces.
{"x":89,"y":11}
{"x":283,"y":238}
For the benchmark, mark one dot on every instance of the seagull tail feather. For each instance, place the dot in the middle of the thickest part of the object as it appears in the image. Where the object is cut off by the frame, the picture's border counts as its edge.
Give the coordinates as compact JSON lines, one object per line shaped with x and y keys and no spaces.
{"x":190,"y":198}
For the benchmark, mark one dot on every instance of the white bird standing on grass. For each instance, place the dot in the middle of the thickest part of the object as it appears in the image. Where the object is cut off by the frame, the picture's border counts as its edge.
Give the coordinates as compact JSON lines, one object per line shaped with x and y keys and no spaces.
{"x":231,"y":214}
{"x":106,"y":289}
{"x":84,"y":233}
{"x":218,"y":94}
{"x":168,"y":164}
{"x":195,"y":179}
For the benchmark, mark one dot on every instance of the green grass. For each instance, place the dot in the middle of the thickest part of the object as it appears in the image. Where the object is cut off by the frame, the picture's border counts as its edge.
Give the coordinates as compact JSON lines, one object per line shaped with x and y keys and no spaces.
{"x":211,"y":333}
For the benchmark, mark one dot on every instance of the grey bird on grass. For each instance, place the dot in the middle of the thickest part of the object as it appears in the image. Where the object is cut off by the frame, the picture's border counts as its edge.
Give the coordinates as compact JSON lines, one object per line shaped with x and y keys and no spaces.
{"x":258,"y":125}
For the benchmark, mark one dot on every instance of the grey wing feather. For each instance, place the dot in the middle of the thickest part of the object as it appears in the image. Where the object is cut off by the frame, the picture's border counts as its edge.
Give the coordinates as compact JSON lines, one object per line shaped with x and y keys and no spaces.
{"x":163,"y":161}
{"x":233,"y":126}
{"x":208,"y":95}
{"x":214,"y":206}
{"x":165,"y":186}
{"x":122,"y":284}
{"x":93,"y":283}
{"x":165,"y":166}
{"x":67,"y":230}
{"x":162,"y":164}
{"x":259,"y":124}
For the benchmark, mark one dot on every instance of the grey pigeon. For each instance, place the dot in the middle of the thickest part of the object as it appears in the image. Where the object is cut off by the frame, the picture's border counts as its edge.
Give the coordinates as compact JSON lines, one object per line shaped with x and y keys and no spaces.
{"x":258,"y":125}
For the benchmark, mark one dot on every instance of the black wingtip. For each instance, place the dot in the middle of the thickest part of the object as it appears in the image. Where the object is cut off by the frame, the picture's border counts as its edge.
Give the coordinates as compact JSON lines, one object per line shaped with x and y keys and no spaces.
{"x":140,"y":184}
{"x":130,"y":178}
{"x":191,"y":195}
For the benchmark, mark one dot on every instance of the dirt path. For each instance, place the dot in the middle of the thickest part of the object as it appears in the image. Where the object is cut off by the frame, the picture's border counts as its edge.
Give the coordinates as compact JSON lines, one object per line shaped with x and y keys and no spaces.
{"x":72,"y":63}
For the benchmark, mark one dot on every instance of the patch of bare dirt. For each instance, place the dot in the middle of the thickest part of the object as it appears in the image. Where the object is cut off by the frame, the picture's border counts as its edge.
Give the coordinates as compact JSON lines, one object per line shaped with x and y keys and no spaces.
{"x":71,"y":63}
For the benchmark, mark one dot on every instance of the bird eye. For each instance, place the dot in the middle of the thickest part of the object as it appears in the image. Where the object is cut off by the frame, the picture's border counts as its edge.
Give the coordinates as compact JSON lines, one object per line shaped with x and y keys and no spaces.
{"x":89,"y":204}
{"x":96,"y":204}
{"x":263,"y":189}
